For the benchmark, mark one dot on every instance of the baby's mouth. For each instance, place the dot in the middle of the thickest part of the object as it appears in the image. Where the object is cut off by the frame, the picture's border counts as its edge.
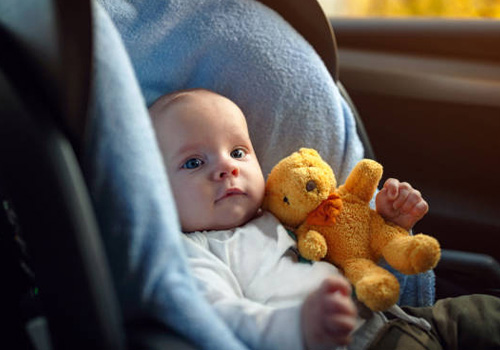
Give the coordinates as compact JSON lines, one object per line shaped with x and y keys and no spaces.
{"x":230,"y":192}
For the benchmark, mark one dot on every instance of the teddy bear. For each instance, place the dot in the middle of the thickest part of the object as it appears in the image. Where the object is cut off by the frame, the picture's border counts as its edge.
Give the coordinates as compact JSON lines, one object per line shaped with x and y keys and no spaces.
{"x":338,"y":225}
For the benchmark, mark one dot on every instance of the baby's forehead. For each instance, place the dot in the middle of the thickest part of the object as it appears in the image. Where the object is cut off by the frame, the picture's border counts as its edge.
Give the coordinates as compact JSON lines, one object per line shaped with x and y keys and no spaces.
{"x":200,"y":105}
{"x":199,"y":109}
{"x":165,"y":102}
{"x":191,"y":96}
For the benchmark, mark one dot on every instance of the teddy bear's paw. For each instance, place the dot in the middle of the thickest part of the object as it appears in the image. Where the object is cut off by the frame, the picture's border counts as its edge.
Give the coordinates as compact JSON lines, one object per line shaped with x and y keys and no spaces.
{"x":424,"y":253}
{"x":412,"y":254}
{"x":378,"y":292}
{"x":312,"y":245}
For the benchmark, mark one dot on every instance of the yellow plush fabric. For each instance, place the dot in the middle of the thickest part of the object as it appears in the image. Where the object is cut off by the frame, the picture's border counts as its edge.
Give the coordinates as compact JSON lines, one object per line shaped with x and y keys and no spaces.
{"x":351,"y":235}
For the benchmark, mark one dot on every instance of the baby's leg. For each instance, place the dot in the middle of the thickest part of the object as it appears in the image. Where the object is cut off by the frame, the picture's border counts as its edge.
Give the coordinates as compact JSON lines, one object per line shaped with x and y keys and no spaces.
{"x":466,"y":322}
{"x":401,"y":335}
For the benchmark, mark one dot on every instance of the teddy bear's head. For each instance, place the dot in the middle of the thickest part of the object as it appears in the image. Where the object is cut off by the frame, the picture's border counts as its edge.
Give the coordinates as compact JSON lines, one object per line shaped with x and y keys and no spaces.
{"x":297,"y":185}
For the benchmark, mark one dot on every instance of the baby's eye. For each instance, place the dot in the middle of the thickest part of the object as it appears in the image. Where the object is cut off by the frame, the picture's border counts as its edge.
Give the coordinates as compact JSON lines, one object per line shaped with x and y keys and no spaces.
{"x":238,"y":153}
{"x":192,"y":163}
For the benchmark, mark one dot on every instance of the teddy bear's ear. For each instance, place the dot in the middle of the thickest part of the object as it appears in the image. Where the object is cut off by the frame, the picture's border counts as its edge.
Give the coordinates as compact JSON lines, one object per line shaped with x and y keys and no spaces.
{"x":309,"y":151}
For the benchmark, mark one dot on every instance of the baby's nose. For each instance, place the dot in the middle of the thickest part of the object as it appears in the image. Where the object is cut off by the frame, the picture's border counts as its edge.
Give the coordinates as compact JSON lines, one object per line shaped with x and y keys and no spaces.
{"x":226,"y":168}
{"x":233,"y":172}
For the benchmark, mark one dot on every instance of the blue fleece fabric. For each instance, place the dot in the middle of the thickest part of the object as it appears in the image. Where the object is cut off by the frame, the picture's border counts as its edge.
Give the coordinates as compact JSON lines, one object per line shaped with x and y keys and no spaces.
{"x":134,"y":204}
{"x":242,"y":50}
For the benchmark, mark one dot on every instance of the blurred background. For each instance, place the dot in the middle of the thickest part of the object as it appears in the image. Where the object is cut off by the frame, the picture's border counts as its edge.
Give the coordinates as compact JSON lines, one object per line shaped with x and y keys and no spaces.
{"x":425,"y":78}
{"x":417,"y":8}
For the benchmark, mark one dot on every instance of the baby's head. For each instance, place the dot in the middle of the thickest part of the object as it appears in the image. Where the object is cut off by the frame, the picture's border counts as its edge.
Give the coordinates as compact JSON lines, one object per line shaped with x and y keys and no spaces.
{"x":214,"y":173}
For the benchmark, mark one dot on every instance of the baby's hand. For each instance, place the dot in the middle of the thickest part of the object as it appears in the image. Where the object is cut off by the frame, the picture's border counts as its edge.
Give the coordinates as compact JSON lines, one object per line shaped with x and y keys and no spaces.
{"x":401,"y":204}
{"x":329,"y":315}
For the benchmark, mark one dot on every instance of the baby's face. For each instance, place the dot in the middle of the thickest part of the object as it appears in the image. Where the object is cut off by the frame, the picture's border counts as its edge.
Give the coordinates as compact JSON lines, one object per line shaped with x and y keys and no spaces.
{"x":214,"y":173}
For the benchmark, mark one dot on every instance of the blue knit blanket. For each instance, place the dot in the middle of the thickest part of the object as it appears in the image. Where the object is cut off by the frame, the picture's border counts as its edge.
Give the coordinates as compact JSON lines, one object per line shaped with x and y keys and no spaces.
{"x":242,"y":50}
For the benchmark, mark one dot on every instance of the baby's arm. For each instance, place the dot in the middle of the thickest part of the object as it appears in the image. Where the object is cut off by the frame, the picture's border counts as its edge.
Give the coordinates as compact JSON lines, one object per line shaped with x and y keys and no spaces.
{"x":255,"y":324}
{"x":401,"y":204}
{"x":329,"y":315}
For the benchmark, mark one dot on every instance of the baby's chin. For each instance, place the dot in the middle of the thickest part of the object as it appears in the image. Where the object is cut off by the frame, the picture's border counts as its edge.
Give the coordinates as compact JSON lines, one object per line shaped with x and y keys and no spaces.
{"x":235,"y":219}
{"x":229,"y":218}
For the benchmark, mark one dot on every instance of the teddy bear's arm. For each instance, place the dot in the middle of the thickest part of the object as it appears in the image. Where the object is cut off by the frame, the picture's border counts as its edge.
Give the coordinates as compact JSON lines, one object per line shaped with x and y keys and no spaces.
{"x":311,"y":244}
{"x":363,"y":179}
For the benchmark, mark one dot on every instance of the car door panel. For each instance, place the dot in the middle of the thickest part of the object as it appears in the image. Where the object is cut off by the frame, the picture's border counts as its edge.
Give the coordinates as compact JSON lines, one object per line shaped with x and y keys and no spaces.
{"x":428,"y":92}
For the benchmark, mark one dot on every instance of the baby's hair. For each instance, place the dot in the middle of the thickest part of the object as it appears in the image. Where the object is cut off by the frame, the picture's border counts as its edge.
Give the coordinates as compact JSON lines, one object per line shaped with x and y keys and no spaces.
{"x":167,"y":100}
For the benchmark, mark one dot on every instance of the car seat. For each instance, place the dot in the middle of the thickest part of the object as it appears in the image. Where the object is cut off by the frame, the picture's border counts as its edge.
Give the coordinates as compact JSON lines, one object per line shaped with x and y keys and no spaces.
{"x":48,"y":225}
{"x":45,"y":86}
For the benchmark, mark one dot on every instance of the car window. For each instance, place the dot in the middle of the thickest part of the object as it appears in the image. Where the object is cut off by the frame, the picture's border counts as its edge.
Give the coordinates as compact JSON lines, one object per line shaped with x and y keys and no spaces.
{"x":487,"y":9}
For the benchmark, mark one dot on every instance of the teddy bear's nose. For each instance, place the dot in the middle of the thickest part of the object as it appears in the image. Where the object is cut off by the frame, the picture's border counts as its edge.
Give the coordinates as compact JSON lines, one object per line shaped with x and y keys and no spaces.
{"x":310,"y":185}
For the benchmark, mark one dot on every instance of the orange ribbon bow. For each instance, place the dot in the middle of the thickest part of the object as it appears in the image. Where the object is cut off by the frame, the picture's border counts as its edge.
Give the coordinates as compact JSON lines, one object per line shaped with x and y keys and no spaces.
{"x":326,"y":213}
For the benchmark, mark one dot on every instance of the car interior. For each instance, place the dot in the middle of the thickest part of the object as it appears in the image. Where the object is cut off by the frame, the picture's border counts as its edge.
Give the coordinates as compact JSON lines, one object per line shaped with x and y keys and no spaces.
{"x":423,"y":95}
{"x":436,"y":80}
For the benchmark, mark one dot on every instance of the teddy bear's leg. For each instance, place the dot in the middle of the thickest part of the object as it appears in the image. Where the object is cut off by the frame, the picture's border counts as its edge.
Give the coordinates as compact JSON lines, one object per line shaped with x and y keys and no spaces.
{"x":311,"y":244}
{"x":376,"y":287}
{"x":406,"y":253}
{"x":412,"y":254}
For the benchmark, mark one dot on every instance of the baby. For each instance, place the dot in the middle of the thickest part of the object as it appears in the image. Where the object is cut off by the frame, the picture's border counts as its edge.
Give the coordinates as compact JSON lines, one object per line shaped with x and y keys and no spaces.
{"x":241,"y":256}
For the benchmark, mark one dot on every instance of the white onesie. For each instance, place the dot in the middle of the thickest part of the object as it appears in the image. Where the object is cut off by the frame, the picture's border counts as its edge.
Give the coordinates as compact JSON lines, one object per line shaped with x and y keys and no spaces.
{"x":252,"y":276}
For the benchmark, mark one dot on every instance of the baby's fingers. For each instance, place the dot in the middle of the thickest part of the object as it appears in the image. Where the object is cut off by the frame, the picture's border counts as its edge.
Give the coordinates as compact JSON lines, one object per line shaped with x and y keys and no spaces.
{"x":412,"y":199}
{"x":338,"y":304}
{"x":339,"y":328}
{"x":340,"y":318}
{"x":391,"y":186}
{"x":404,"y":192}
{"x":419,"y":209}
{"x":336,"y":284}
{"x":414,"y":205}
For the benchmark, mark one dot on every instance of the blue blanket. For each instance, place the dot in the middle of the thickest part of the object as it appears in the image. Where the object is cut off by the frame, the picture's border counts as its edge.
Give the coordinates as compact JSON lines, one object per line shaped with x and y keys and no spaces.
{"x":242,"y":50}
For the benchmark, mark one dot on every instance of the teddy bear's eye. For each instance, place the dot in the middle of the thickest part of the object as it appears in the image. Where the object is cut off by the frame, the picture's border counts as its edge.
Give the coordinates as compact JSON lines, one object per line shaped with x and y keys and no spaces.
{"x":285,"y":199}
{"x":310,"y":185}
